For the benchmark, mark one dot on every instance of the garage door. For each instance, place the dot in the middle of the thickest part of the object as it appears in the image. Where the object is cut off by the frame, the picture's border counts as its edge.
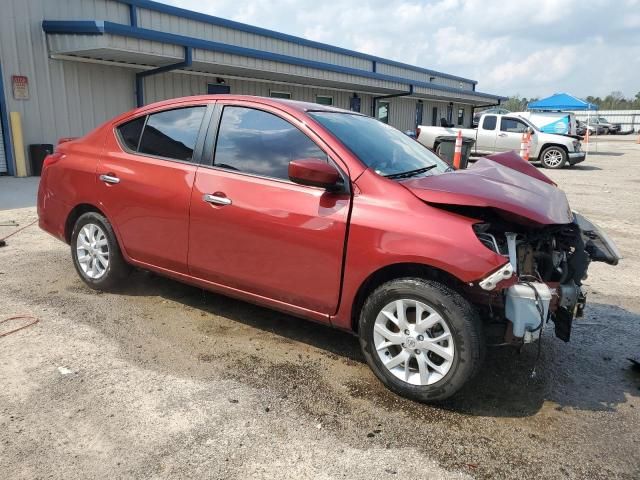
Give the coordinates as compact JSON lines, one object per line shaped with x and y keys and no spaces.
{"x":3,"y":157}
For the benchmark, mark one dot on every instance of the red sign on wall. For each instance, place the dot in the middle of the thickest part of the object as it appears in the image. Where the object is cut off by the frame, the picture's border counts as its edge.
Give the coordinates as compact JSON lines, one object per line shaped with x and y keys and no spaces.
{"x":20,"y":85}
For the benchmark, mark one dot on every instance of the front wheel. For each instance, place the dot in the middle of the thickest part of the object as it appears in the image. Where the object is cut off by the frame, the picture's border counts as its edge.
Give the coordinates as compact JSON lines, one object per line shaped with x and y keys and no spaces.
{"x":421,"y":339}
{"x":553,"y":157}
{"x":96,"y":254}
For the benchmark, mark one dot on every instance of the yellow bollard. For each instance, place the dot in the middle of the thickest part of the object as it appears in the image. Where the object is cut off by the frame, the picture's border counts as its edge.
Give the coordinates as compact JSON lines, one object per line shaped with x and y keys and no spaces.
{"x":18,"y":144}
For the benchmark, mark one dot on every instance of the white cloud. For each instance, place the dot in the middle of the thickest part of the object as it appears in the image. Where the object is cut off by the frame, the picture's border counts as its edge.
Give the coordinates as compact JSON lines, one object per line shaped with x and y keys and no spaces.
{"x":533,"y":48}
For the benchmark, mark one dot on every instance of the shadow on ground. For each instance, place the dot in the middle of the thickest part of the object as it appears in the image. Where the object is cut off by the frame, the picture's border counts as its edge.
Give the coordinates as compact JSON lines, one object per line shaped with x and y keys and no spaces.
{"x":589,"y":373}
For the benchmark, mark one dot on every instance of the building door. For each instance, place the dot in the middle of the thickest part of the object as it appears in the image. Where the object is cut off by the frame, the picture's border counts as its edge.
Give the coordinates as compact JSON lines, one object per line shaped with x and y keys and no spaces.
{"x":434,"y":116}
{"x":450,"y":113}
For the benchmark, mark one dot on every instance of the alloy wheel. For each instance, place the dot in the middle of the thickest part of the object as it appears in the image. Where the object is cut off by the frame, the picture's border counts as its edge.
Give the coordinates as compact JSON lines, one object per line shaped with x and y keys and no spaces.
{"x":414,"y":342}
{"x":92,"y":250}
{"x":552,"y":158}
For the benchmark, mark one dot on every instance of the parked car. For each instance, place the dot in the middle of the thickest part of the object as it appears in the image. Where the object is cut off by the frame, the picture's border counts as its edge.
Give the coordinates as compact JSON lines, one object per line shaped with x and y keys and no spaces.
{"x":329,"y":215}
{"x":604,"y":127}
{"x":502,"y":133}
{"x":582,"y":127}
{"x":494,"y":110}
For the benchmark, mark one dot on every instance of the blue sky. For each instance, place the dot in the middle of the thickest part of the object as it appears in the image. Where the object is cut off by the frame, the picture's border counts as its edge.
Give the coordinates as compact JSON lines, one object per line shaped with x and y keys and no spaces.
{"x":511,"y":47}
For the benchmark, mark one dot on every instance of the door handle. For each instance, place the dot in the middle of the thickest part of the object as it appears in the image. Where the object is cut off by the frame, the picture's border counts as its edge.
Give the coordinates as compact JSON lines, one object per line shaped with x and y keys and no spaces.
{"x":109,"y":179}
{"x":502,"y":134}
{"x":216,"y":199}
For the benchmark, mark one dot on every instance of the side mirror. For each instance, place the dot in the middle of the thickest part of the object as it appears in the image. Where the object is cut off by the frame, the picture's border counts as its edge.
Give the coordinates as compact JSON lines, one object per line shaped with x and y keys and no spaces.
{"x":530,"y":131}
{"x":315,"y":173}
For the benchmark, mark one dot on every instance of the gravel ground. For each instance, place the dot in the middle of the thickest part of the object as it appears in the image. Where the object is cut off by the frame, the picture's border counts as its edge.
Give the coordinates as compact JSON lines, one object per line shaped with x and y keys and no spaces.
{"x":162,"y":380}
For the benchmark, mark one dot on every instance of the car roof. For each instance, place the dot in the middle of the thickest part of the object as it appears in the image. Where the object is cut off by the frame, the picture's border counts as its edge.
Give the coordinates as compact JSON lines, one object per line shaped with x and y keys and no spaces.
{"x":295,"y":105}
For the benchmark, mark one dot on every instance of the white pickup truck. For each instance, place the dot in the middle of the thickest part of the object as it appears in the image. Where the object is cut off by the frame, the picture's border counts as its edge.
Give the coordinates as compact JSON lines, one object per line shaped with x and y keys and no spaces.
{"x":502,"y":133}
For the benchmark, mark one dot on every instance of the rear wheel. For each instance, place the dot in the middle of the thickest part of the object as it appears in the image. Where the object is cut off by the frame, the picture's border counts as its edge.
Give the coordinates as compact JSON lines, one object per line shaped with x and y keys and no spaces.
{"x":95,"y":252}
{"x":420,"y":338}
{"x":553,"y":157}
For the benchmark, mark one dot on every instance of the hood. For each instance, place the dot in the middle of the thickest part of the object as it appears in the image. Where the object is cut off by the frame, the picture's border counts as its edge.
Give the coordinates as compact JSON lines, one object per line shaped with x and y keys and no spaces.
{"x":494,"y":185}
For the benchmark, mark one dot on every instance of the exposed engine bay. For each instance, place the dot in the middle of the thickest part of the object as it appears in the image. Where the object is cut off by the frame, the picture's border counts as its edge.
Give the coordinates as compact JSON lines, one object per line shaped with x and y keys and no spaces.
{"x":543,"y":279}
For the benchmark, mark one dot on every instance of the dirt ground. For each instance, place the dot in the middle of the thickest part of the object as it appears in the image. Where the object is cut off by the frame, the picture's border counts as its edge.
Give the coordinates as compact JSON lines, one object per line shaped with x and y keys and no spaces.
{"x":166,"y":381}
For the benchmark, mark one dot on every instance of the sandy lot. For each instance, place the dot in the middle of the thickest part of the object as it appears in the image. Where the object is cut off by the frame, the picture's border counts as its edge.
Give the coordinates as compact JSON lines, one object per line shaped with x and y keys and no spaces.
{"x":166,"y":381}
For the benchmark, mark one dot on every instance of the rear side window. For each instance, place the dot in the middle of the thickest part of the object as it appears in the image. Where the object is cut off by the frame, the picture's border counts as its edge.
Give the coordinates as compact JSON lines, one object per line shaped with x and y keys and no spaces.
{"x":130,"y":132}
{"x":172,"y":133}
{"x":489,"y":122}
{"x":260,"y":143}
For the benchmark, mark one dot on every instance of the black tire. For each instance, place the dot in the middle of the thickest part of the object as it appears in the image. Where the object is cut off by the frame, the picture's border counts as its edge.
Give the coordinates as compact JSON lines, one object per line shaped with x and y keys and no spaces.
{"x":116,"y":270}
{"x":553,"y":152}
{"x":461,"y":319}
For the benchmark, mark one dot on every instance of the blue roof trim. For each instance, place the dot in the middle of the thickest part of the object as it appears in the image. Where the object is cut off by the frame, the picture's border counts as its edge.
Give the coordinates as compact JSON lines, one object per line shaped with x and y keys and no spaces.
{"x":75,"y":27}
{"x":223,"y":22}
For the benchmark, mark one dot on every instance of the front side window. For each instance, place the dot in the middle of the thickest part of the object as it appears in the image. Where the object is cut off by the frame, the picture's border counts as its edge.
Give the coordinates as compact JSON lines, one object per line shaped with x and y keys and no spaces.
{"x":382,"y":113}
{"x":512,"y":125}
{"x":130,"y":132}
{"x":260,"y":143}
{"x":172,"y":133}
{"x":386,"y":150}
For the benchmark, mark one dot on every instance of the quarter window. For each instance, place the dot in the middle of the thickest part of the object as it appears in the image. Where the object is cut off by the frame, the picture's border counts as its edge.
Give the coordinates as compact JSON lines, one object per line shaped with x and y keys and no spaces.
{"x":172,"y":133}
{"x":257,"y":142}
{"x":130,"y":132}
{"x":489,"y":122}
{"x":512,"y":125}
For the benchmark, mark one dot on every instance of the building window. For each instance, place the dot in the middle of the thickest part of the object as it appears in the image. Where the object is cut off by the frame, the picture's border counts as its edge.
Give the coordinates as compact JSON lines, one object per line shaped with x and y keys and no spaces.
{"x":324,"y":99}
{"x":382,"y":113}
{"x":172,"y":133}
{"x":274,"y":94}
{"x":260,"y":143}
{"x":218,"y":89}
{"x":461,"y":116}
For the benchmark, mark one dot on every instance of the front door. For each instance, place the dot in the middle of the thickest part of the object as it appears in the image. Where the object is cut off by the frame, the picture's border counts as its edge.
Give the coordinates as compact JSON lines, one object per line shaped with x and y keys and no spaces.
{"x":144,"y":184}
{"x":254,"y":230}
{"x":510,"y":135}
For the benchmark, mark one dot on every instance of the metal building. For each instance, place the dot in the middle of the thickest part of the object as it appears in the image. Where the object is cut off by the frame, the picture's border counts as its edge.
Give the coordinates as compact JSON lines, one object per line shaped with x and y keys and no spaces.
{"x":68,"y":65}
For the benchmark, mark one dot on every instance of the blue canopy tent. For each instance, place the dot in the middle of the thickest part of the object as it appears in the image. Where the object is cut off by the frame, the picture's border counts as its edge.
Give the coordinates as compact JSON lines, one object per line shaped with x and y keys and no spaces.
{"x":560,"y":102}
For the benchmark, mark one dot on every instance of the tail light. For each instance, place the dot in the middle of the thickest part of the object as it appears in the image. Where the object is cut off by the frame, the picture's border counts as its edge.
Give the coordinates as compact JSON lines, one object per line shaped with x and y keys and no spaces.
{"x":51,"y":159}
{"x":65,"y":140}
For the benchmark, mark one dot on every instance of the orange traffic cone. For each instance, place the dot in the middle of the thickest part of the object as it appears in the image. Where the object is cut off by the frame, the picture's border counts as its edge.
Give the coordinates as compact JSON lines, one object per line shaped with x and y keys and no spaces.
{"x":586,"y":136}
{"x":523,"y":145}
{"x":527,"y":150}
{"x":638,"y":141}
{"x":457,"y":153}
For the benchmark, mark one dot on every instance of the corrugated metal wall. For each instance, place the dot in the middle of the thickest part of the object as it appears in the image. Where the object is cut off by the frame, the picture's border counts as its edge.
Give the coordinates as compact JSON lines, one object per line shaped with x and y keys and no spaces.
{"x":63,"y":100}
{"x":423,"y":77}
{"x":183,"y":26}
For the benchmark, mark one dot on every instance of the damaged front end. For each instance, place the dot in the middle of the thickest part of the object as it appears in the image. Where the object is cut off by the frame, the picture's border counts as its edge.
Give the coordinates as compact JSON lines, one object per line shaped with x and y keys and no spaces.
{"x":548,"y":265}
{"x":522,"y":216}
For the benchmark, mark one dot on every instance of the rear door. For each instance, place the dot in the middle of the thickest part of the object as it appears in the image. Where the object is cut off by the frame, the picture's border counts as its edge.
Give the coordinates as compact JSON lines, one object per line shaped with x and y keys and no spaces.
{"x":254,"y":230}
{"x":510,"y":136}
{"x":486,"y":136}
{"x":145,"y":179}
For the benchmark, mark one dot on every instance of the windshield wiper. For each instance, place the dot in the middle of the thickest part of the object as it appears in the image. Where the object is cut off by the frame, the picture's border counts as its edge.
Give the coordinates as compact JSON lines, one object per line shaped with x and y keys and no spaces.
{"x":411,"y":173}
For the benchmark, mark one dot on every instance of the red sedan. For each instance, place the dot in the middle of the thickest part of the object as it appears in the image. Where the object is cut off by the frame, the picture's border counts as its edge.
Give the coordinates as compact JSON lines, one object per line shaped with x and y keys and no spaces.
{"x":331,"y":216}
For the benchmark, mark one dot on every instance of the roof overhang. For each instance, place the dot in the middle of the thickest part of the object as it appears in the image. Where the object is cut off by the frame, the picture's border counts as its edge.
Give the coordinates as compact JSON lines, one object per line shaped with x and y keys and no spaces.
{"x":142,"y":48}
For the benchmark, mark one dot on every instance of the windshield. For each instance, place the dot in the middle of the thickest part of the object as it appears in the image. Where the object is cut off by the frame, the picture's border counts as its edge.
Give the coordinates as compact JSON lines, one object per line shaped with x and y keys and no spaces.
{"x":383,"y":148}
